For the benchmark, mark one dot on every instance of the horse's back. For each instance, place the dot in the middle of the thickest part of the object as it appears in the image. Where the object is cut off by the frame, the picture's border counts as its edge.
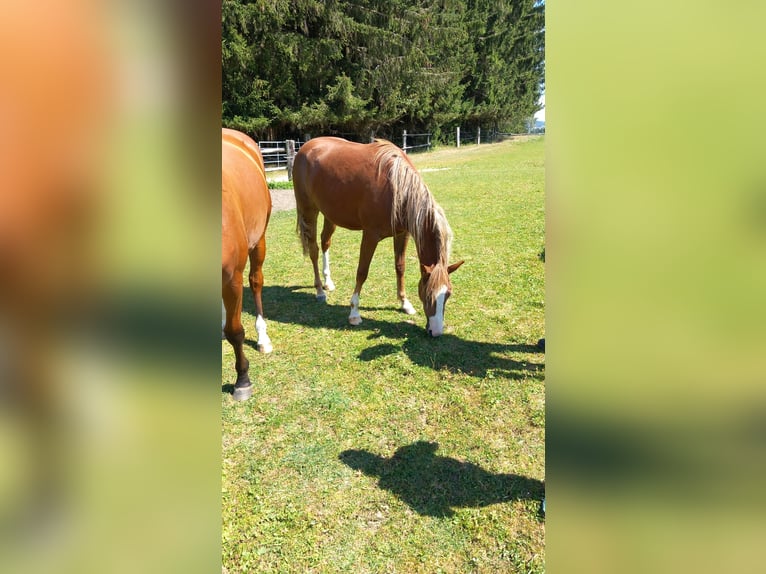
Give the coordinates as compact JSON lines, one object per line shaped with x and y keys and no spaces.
{"x":245,"y":197}
{"x":245,"y":142}
{"x":335,"y":155}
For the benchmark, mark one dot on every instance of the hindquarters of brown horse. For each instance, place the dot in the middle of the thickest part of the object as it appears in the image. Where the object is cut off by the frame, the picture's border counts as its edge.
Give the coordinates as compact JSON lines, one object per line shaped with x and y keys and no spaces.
{"x":245,"y":212}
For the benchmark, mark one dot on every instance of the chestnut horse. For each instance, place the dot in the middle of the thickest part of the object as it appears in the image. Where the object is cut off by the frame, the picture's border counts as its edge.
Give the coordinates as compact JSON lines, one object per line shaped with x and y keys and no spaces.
{"x":245,"y":212}
{"x":376,"y":189}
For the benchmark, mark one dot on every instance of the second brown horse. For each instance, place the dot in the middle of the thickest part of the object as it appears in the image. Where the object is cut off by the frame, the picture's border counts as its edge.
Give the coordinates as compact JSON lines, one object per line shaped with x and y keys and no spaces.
{"x":376,"y":189}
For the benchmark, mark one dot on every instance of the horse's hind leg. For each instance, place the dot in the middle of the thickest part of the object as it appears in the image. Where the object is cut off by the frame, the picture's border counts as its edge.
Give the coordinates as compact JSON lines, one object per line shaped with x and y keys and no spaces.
{"x":257,"y":256}
{"x":327,"y":230}
{"x":311,"y":238}
{"x":400,"y":247}
{"x":307,"y":230}
{"x":235,"y":335}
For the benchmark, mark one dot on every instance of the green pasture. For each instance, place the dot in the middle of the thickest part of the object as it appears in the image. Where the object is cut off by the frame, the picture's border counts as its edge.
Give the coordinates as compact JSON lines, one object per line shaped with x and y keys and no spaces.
{"x":376,"y":448}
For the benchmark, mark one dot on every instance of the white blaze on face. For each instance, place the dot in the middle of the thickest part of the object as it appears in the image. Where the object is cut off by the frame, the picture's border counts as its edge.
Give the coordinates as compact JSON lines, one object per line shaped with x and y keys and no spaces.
{"x":436,"y":323}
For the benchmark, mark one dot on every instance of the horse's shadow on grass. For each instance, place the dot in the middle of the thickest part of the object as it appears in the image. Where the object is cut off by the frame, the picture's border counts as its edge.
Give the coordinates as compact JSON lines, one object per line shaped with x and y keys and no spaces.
{"x":434,"y":485}
{"x":296,"y":306}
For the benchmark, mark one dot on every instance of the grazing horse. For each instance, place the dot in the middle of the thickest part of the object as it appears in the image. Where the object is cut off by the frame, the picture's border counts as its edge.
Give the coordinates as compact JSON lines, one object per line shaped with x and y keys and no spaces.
{"x":245,"y":212}
{"x":376,"y":189}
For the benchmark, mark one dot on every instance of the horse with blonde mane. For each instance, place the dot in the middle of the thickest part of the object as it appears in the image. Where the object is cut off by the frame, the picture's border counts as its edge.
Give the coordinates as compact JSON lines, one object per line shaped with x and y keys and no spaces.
{"x":245,"y":212}
{"x":376,"y":189}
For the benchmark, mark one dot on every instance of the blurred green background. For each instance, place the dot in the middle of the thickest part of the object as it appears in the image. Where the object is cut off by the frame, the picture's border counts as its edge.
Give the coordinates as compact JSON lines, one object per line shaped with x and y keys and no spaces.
{"x":655,"y":282}
{"x":656,"y":205}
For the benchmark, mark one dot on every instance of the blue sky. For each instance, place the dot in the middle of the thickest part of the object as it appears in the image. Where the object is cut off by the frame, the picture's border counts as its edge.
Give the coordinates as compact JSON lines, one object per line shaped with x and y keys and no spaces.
{"x":541,"y":114}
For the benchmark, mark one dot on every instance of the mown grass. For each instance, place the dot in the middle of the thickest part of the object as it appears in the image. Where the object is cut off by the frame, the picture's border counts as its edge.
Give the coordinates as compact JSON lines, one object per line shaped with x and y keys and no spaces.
{"x":375,"y":448}
{"x":273,"y":184}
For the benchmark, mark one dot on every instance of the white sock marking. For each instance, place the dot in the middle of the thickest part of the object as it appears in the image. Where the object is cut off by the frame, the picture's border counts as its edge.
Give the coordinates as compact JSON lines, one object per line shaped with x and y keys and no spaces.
{"x":355,"y":318}
{"x":264,"y":343}
{"x":326,"y":271}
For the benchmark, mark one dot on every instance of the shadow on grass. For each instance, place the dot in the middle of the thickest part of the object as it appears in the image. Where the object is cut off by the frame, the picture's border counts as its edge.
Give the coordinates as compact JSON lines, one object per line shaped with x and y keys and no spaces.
{"x":459,"y":355}
{"x":294,"y":305}
{"x":435,"y":485}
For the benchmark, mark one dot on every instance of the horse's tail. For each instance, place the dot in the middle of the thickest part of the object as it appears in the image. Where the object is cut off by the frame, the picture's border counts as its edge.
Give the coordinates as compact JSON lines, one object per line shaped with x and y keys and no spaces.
{"x":302,"y":225}
{"x":302,"y":228}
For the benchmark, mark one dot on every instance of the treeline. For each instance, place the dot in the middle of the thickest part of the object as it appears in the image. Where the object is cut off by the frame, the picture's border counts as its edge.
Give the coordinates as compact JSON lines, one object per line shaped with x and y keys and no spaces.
{"x":380,"y":66}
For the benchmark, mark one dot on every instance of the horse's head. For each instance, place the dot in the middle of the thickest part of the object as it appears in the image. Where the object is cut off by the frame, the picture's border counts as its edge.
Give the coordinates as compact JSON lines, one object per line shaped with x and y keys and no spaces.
{"x":434,"y":289}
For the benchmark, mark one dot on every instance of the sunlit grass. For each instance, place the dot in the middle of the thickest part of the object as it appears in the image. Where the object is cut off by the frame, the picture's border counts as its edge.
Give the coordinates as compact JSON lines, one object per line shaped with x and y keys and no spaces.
{"x":378,"y":449}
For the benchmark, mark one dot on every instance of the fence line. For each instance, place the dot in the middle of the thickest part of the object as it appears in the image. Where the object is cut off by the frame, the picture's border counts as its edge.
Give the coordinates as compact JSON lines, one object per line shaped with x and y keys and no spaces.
{"x":406,"y":136}
{"x":279,"y":154}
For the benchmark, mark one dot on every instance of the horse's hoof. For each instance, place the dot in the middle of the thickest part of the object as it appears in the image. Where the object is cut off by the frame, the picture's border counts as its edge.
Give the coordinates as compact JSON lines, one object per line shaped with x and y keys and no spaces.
{"x":322,"y":298}
{"x":355,"y":320}
{"x":408,"y":308}
{"x":265,"y":348}
{"x":242,"y":393}
{"x":330,"y":286}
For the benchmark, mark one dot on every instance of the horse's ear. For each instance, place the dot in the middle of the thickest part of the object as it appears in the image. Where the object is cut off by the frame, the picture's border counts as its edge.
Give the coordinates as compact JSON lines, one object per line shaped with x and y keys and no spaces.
{"x":427,"y":269}
{"x":454,"y":266}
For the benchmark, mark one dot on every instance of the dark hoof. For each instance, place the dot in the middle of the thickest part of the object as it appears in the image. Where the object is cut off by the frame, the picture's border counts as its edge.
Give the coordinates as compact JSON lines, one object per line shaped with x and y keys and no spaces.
{"x":242,"y":393}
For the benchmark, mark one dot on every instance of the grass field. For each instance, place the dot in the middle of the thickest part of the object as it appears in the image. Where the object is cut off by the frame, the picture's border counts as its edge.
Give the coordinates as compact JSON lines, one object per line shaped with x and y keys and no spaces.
{"x":376,"y":448}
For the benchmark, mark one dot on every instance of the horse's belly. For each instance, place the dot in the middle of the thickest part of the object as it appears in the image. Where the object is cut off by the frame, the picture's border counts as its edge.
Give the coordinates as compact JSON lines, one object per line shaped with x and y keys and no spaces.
{"x":351,"y":213}
{"x":343,"y":220}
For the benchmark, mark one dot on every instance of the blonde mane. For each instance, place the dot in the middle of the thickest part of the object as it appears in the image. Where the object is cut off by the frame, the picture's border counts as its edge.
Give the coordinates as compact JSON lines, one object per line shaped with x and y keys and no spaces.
{"x":413,"y":207}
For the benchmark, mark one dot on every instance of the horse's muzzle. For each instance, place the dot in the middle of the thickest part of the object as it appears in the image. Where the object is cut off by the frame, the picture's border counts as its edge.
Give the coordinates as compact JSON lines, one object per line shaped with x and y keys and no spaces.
{"x":433,"y":331}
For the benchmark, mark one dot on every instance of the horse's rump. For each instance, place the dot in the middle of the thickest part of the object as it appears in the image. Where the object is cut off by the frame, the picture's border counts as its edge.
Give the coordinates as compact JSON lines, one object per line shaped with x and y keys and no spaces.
{"x":245,"y":198}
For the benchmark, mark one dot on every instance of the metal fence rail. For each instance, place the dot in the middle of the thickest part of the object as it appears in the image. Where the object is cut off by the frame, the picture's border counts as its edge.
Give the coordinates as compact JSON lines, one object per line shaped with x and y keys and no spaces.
{"x":408,"y":141}
{"x":279,"y":154}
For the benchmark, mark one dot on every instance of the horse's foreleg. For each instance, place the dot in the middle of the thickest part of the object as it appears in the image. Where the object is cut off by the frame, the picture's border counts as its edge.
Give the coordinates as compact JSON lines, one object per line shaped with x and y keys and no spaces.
{"x":400,"y":247}
{"x":257,"y":256}
{"x":235,"y":335}
{"x":366,"y":251}
{"x":327,"y":230}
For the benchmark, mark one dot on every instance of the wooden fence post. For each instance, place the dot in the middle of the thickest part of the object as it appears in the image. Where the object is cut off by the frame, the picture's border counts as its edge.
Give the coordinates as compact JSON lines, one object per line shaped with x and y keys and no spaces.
{"x":404,"y":141}
{"x":478,"y":135}
{"x":458,"y":136}
{"x":290,"y":146}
